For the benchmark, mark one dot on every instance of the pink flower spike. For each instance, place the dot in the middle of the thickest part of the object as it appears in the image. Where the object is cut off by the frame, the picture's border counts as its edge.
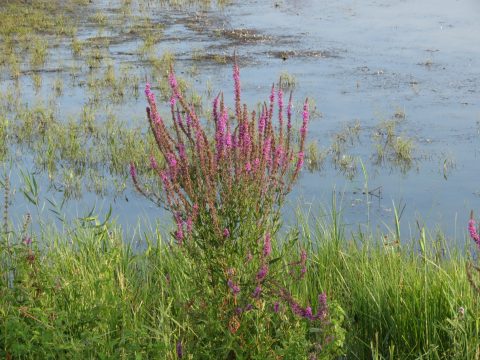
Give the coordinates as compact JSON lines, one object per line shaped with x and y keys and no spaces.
{"x":179,"y":232}
{"x":262,"y":273}
{"x":261,"y":122}
{"x":289,"y":113}
{"x":172,"y":80}
{"x":153,"y":162}
{"x":280,"y":100}
{"x":234,"y":287}
{"x":257,"y":292}
{"x":256,"y":163}
{"x":215,"y":108}
{"x":303,"y":271}
{"x":473,"y":232}
{"x":164,"y":177}
{"x":147,"y":90}
{"x":234,"y":142}
{"x":272,"y":95}
{"x":306,"y":116}
{"x":226,"y":233}
{"x":133,"y":171}
{"x":279,"y":155}
{"x":220,"y":137}
{"x":181,"y":151}
{"x":303,"y":256}
{"x":276,"y":307}
{"x":300,"y":160}
{"x":267,"y":247}
{"x":228,"y":140}
{"x":172,"y":161}
{"x":236,"y":79}
{"x":308,"y":313}
{"x":189,"y":224}
{"x":267,"y":150}
{"x":280,"y":108}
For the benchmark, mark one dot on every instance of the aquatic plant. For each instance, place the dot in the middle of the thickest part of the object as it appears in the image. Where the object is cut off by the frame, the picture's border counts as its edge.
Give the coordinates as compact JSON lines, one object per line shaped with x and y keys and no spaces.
{"x":224,"y":182}
{"x":391,"y":147}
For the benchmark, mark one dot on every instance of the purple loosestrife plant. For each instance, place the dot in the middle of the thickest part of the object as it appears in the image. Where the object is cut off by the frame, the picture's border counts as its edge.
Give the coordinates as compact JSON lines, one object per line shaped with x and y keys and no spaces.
{"x":240,"y":175}
{"x":224,"y":181}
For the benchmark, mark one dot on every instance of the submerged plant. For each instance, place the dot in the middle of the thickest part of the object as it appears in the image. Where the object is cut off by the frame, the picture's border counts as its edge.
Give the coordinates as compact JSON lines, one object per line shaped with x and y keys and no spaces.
{"x":225,"y":181}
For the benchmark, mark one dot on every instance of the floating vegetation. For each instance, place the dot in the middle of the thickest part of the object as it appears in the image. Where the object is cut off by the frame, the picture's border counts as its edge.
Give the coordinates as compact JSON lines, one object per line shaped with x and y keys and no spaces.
{"x":287,"y":81}
{"x":392,"y":148}
{"x":148,"y":31}
{"x":37,"y":81}
{"x":99,"y":18}
{"x":70,"y":150}
{"x":399,"y":114}
{"x":76,"y":46}
{"x":221,"y":59}
{"x":315,"y":159}
{"x":287,"y":54}
{"x":244,"y":35}
{"x":345,"y":139}
{"x":57,"y":87}
{"x":447,"y":165}
{"x":38,"y":53}
{"x":348,"y":165}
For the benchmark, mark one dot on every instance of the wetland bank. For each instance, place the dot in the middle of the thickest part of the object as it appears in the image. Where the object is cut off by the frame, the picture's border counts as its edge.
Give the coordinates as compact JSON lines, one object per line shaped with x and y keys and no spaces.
{"x":393,"y":139}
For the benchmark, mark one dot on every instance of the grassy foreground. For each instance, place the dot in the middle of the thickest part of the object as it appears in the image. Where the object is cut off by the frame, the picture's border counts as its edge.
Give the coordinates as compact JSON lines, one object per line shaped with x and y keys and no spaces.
{"x":84,"y":292}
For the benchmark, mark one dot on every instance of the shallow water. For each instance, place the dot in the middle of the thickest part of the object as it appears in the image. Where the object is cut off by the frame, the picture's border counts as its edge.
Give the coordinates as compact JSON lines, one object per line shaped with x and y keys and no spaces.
{"x":358,"y":60}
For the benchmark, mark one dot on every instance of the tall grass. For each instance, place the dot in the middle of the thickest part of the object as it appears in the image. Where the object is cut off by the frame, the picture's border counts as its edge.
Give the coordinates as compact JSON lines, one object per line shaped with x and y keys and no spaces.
{"x":86,"y":292}
{"x":401,"y":302}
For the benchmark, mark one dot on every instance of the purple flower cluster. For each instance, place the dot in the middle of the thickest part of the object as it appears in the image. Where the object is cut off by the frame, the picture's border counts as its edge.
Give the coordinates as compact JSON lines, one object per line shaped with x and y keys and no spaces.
{"x":305,"y":118}
{"x":226,"y":233}
{"x":179,"y":349}
{"x":267,"y":247}
{"x":276,"y":307}
{"x":240,"y":310}
{"x":252,"y":153}
{"x":302,"y":263}
{"x":248,"y":161}
{"x":262,"y":273}
{"x":27,"y":241}
{"x":473,"y":231}
{"x":306,"y":312}
{"x":233,"y":287}
{"x":257,"y":292}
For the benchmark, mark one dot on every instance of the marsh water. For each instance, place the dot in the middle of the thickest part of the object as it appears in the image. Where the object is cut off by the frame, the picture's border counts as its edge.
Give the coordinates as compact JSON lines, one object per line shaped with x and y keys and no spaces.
{"x":395,"y":85}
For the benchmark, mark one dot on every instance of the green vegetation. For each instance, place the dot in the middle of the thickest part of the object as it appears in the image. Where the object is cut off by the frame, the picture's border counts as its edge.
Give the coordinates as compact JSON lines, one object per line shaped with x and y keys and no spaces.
{"x":87,"y":291}
{"x":91,"y":144}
